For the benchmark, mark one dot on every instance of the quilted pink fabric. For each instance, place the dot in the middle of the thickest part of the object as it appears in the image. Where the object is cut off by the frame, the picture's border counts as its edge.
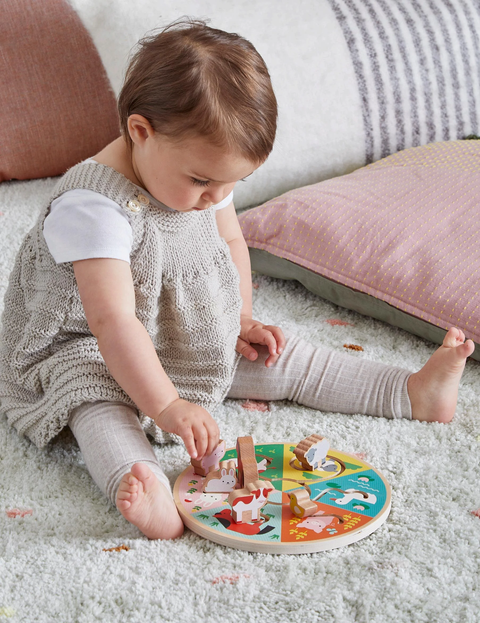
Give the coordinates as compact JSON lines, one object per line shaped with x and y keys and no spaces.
{"x":405,"y":229}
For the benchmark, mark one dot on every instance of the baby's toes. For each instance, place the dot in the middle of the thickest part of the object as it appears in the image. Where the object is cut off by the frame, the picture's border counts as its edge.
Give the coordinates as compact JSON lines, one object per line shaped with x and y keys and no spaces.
{"x":453,"y":338}
{"x":128,"y":489}
{"x":466,"y":349}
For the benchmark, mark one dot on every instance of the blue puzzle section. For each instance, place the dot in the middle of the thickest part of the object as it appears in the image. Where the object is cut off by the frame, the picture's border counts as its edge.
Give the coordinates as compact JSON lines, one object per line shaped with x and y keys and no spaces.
{"x":220,"y":519}
{"x":362,"y":493}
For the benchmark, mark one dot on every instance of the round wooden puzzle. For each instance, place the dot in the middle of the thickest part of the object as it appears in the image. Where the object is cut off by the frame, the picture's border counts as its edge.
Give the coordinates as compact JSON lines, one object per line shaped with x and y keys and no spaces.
{"x":352,"y":500}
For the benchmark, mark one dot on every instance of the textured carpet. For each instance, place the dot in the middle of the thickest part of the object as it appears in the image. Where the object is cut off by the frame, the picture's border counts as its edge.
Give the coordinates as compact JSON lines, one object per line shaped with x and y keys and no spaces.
{"x":422,"y":565}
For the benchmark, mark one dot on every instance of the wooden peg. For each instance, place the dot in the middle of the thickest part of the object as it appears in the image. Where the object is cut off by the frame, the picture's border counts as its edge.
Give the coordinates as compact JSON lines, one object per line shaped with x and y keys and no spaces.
{"x":211,"y":462}
{"x":247,"y":463}
{"x":312,"y":451}
{"x":300,"y":503}
{"x":222,"y":480}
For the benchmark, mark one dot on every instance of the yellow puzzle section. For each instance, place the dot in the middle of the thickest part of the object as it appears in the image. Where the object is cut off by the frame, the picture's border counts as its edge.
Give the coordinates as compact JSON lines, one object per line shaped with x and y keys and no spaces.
{"x":345,"y":464}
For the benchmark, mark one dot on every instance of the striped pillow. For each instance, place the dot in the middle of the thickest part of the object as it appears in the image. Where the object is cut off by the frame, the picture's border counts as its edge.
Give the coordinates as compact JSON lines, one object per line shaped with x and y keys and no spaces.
{"x":417,"y":69}
{"x":396,"y":240}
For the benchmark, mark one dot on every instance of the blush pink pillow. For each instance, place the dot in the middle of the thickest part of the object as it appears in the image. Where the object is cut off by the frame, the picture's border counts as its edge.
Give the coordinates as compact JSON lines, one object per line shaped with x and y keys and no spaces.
{"x":404,"y":230}
{"x":56,"y":104}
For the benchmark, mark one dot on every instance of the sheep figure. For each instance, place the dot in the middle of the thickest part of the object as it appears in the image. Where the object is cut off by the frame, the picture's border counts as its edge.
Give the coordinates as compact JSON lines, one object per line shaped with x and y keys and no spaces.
{"x":312,"y":452}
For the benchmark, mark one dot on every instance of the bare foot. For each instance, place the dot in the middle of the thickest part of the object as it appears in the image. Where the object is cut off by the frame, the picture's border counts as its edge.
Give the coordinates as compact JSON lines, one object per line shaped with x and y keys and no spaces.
{"x":147,"y":504}
{"x":433,"y":391}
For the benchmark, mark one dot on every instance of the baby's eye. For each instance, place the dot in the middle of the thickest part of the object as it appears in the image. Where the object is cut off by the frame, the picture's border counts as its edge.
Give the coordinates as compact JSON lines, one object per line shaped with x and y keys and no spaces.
{"x":199,"y":182}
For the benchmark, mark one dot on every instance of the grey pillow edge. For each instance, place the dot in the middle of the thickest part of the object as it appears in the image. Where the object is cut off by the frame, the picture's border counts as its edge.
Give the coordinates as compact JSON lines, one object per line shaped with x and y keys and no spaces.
{"x":268,"y":264}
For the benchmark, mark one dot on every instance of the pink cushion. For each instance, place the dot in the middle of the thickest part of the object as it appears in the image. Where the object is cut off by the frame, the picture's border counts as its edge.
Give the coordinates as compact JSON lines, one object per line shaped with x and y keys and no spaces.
{"x":56,"y":105}
{"x":405,"y":230}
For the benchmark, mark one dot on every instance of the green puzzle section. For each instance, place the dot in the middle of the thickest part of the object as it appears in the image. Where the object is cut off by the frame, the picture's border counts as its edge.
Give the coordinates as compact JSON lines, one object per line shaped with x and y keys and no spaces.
{"x":274,"y":452}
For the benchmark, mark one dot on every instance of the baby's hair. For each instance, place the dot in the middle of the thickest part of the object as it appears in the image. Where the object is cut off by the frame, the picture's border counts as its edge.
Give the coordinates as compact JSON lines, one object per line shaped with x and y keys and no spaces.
{"x":192,"y":80}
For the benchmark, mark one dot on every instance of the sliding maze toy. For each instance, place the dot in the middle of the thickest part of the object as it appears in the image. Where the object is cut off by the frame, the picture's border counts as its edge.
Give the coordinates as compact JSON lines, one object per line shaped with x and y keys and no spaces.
{"x":280,"y":498}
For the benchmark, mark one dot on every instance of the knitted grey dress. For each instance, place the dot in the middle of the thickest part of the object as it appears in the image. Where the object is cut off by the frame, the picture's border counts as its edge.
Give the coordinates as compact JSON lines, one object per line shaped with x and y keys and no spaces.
{"x":187,"y":297}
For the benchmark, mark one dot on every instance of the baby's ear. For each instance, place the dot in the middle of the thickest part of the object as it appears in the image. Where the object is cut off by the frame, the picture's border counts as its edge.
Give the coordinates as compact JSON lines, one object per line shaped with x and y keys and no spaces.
{"x":139,"y":128}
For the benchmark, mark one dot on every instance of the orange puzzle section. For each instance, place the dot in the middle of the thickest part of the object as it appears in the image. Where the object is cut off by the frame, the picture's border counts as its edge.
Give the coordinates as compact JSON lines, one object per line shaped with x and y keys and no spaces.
{"x":326,"y":523}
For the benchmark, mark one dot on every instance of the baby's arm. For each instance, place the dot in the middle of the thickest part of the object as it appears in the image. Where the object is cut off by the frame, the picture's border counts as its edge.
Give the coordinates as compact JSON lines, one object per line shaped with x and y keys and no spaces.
{"x":252,"y":331}
{"x":108,"y":297}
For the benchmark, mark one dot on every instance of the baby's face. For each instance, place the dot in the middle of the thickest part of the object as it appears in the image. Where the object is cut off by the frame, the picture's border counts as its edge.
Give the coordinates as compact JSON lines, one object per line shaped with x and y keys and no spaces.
{"x":189,"y":175}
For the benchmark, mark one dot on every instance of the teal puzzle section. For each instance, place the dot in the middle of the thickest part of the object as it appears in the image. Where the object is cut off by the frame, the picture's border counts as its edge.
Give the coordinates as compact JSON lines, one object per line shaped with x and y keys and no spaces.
{"x":363,"y":493}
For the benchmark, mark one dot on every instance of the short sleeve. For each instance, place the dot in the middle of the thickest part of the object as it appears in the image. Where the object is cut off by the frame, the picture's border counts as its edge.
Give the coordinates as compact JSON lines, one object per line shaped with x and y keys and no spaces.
{"x":225,"y":202}
{"x":83,"y":224}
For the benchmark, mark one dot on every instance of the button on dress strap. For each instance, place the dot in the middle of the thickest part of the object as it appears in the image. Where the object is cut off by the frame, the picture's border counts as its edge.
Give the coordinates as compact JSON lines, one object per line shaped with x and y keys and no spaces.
{"x":134,"y":206}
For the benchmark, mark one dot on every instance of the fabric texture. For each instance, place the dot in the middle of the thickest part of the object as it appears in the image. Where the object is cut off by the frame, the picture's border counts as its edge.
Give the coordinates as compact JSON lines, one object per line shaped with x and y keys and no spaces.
{"x":83,"y":224}
{"x":325,"y":380}
{"x":56,"y":104}
{"x":111,"y":440}
{"x":403,"y":230}
{"x":417,"y":70}
{"x":187,"y":297}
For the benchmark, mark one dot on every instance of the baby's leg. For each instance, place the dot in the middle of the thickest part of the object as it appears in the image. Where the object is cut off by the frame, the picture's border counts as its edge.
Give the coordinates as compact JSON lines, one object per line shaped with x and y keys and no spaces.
{"x":326,"y":380}
{"x":332,"y":381}
{"x":121,"y":461}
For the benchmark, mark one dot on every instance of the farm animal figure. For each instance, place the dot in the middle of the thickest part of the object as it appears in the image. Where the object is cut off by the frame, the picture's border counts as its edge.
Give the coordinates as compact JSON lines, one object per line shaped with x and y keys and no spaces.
{"x":312,"y":452}
{"x":222,"y":480}
{"x":247,"y":502}
{"x":317,"y":523}
{"x":300,"y":503}
{"x":262,"y":466}
{"x":211,"y":462}
{"x":226,"y":519}
{"x":353,"y":494}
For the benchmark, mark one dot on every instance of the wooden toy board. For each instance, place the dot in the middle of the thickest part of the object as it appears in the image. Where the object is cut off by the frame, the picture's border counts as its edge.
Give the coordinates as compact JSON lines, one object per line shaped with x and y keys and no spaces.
{"x":353,"y":500}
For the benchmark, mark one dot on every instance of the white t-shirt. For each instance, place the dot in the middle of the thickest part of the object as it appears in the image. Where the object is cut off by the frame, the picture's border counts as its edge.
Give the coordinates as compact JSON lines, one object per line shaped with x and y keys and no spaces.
{"x":83,"y":224}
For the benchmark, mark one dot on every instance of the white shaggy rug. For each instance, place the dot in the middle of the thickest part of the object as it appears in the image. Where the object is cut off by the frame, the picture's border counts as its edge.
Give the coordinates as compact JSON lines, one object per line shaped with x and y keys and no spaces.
{"x":422,"y":565}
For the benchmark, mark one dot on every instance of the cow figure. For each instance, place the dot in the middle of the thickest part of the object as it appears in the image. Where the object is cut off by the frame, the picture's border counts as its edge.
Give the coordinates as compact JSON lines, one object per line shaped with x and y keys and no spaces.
{"x":247,"y":502}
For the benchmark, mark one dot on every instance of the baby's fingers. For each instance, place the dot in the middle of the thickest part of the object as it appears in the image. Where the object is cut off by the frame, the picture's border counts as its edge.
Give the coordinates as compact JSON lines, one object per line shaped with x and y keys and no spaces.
{"x":269,"y":340}
{"x":279,"y":337}
{"x":189,"y":441}
{"x":201,"y":439}
{"x":246,"y":350}
{"x":213,"y":436}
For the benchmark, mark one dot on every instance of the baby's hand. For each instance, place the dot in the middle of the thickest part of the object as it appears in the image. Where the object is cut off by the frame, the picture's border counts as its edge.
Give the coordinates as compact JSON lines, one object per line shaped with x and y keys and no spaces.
{"x":254,"y":332}
{"x":193,"y":423}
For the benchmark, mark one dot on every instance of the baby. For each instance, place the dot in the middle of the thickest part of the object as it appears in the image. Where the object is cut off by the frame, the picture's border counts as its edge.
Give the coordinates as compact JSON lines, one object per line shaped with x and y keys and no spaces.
{"x":129,"y":307}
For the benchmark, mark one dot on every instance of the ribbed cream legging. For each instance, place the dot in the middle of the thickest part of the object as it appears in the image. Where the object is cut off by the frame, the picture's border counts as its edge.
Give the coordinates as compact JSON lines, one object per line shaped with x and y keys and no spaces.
{"x":112,"y":440}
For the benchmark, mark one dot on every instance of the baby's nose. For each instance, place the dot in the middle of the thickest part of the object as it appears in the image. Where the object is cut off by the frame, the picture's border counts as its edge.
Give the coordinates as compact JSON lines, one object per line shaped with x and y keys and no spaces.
{"x":213,"y":196}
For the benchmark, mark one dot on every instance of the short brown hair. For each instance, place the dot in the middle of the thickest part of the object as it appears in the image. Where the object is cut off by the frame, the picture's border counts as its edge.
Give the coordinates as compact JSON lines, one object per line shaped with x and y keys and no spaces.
{"x":191,"y":79}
